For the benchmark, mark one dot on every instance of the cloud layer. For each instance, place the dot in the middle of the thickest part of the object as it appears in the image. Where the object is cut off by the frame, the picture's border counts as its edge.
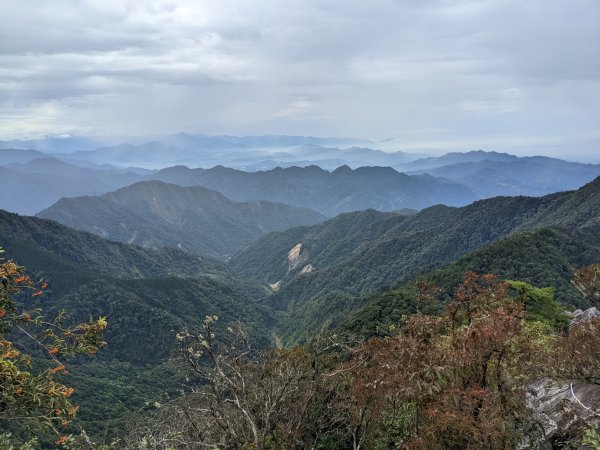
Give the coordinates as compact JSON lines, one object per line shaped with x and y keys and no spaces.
{"x":435,"y":74}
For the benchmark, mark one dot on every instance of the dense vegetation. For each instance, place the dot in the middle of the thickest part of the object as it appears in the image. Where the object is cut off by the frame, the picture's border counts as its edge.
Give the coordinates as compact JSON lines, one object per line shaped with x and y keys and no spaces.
{"x":542,"y":257}
{"x":363,"y":293}
{"x":374,"y":251}
{"x":155,"y":214}
{"x":32,"y":400}
{"x":545,"y":257}
{"x":146,"y":295}
{"x":46,"y":245}
{"x":455,"y":380}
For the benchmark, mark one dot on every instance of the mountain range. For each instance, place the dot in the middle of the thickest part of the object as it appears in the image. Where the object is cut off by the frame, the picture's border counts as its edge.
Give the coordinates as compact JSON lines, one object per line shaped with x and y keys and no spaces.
{"x":35,"y":180}
{"x":353,"y":272}
{"x":247,"y":154}
{"x":29,"y":187}
{"x":502,"y":174}
{"x":182,"y":148}
{"x":357,"y":254}
{"x":154,"y":214}
{"x":329,"y":193}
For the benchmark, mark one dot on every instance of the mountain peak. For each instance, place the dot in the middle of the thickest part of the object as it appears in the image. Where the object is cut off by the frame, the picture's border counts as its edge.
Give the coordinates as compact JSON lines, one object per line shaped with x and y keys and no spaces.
{"x":155,"y":214}
{"x":342,"y":169}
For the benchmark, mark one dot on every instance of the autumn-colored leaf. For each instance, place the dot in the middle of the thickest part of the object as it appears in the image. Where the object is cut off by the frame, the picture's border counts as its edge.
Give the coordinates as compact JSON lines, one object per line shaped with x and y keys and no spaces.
{"x":12,"y":353}
{"x":63,"y":440}
{"x":58,"y":369}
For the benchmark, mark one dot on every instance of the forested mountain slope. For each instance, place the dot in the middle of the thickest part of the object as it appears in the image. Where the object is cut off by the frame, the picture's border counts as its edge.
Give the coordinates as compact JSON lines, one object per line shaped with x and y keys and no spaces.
{"x":155,"y":214}
{"x":169,"y":281}
{"x":146,"y":295}
{"x":51,"y":240}
{"x":546,"y":257}
{"x":374,"y":250}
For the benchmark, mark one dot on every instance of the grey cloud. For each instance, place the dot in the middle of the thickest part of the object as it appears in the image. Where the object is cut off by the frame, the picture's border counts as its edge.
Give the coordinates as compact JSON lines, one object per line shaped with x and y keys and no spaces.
{"x":499,"y":72}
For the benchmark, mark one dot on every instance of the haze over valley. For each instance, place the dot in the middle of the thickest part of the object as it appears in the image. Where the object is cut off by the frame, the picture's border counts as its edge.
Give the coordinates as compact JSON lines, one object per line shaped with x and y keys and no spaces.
{"x":298,"y":172}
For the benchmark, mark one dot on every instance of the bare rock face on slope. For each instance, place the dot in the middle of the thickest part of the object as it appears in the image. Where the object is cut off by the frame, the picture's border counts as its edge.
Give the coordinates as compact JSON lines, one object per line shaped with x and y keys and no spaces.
{"x":581,"y":316}
{"x":296,"y":256}
{"x":563,"y":412}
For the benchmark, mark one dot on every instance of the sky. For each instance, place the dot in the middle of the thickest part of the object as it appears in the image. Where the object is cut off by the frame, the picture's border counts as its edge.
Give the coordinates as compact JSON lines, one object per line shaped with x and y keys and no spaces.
{"x":429,"y":75}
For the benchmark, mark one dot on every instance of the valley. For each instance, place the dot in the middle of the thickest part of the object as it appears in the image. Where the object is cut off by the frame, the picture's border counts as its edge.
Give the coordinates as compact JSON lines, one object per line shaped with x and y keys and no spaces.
{"x":299,"y":225}
{"x":290,"y":254}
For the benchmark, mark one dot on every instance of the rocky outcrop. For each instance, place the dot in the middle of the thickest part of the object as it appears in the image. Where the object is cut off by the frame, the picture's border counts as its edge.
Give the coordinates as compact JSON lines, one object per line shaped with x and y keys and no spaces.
{"x":581,"y":316}
{"x":562,"y":412}
{"x":297,"y":256}
{"x":307,"y":269}
{"x":275,"y":286}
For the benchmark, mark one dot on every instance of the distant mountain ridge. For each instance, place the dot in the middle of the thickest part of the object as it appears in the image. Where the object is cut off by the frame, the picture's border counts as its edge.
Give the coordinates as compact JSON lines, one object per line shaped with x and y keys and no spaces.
{"x":154,"y":214}
{"x":500,"y":174}
{"x":455,"y":157}
{"x":149,"y":153}
{"x":12,"y":155}
{"x":31,"y":186}
{"x":182,"y":148}
{"x":32,"y":180}
{"x":329,"y":193}
{"x":62,"y":144}
{"x":236,"y":153}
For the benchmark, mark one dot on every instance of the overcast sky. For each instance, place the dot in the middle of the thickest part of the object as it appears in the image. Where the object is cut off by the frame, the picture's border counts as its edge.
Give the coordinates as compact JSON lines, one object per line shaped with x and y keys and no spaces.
{"x":436,"y":75}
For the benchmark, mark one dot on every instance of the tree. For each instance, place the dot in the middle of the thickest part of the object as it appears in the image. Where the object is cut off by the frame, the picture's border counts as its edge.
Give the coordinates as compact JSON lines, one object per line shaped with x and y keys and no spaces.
{"x":455,"y":380}
{"x":452,"y":381}
{"x":33,"y":350}
{"x":248,"y":399}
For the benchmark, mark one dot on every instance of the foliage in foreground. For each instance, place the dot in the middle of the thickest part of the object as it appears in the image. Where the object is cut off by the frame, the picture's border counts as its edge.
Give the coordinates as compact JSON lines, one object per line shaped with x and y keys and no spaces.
{"x":30,"y":394}
{"x":454,"y":380}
